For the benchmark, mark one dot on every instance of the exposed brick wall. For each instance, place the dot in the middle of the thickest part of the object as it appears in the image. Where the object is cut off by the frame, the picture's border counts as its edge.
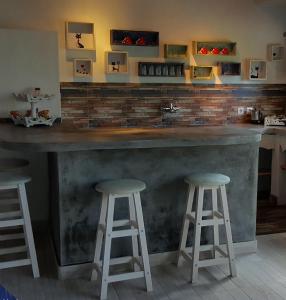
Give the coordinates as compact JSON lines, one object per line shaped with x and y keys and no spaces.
{"x":137,"y":105}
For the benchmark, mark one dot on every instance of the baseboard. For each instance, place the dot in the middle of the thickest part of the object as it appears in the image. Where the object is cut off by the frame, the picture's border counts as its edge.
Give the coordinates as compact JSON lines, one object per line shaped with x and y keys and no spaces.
{"x":84,"y":270}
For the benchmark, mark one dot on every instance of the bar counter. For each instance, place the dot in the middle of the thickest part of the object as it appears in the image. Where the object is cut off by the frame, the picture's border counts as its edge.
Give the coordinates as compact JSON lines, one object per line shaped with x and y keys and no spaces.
{"x":61,"y":139}
{"x":161,"y":157}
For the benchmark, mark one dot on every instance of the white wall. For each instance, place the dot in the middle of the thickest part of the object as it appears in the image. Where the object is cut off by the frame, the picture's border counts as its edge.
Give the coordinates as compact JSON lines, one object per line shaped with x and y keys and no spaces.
{"x":28,"y":59}
{"x":251,"y":23}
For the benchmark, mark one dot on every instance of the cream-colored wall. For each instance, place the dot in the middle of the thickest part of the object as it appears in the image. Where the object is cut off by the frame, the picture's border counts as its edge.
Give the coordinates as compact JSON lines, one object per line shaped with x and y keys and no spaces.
{"x":28,"y":59}
{"x":251,"y":23}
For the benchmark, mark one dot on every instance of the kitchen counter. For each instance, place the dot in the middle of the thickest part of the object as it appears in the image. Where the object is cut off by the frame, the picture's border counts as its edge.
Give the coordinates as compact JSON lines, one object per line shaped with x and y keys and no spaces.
{"x":80,"y":158}
{"x":59,"y":139}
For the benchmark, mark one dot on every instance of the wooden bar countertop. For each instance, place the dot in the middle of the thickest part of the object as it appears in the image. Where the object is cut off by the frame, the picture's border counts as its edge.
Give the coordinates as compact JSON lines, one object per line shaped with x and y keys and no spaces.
{"x":62,"y":139}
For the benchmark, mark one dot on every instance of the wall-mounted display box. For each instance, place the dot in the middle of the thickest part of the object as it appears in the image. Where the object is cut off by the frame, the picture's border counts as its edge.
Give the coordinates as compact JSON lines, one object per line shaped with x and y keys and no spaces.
{"x":155,"y":69}
{"x":116,"y":62}
{"x":202,"y":72}
{"x":80,"y":36}
{"x":82,"y":68}
{"x":229,"y":68}
{"x":257,"y":69}
{"x":275,"y":52}
{"x":214,"y":48}
{"x":175,"y":51}
{"x":134,"y":38}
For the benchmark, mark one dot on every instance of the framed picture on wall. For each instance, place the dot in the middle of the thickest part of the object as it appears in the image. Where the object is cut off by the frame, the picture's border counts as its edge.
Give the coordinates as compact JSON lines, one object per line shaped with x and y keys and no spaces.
{"x":257,"y":69}
{"x":80,"y":36}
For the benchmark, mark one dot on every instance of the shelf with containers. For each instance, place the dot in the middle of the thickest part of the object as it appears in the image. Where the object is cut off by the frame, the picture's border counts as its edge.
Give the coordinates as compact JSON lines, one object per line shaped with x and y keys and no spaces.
{"x":134,"y":38}
{"x":214,"y":48}
{"x":161,"y":69}
{"x":202,"y":72}
{"x":175,"y":51}
{"x":229,"y":68}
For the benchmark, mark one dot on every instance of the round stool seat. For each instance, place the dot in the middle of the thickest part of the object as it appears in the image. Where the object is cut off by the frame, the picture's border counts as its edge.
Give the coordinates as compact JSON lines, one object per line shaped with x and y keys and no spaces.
{"x":9,"y":179}
{"x":121,"y":186}
{"x":207,"y":179}
{"x":11,"y":164}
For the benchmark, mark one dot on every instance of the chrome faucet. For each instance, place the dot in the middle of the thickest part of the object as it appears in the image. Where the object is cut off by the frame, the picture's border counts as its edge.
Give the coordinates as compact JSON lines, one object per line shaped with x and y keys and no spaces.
{"x":171,"y":109}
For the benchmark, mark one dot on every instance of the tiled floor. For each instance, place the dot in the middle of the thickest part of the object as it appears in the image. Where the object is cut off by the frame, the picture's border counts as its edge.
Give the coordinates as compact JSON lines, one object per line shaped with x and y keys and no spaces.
{"x":261,"y":276}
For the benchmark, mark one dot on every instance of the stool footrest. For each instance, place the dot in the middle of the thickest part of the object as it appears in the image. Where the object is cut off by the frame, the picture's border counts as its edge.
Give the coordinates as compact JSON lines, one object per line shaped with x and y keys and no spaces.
{"x":120,"y":261}
{"x":10,"y":214}
{"x":18,"y":249}
{"x":217,"y":218}
{"x":124,"y":233}
{"x":120,"y":223}
{"x":11,"y":223}
{"x":10,"y":201}
{"x":213,"y":262}
{"x":15,"y":263}
{"x":125,"y":276}
{"x":12,"y":236}
{"x":207,"y":262}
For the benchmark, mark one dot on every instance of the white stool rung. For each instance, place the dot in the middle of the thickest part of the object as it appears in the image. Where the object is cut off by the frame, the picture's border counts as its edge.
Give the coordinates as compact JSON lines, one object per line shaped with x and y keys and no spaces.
{"x":121,"y":223}
{"x":203,"y":248}
{"x":18,"y":249}
{"x":212,"y":222}
{"x":12,"y":236}
{"x":11,"y":223}
{"x":125,"y":276}
{"x":124,"y":233}
{"x":10,"y":214}
{"x":217,"y":218}
{"x":15,"y":263}
{"x":120,"y":261}
{"x":213,"y":262}
{"x":9,"y":201}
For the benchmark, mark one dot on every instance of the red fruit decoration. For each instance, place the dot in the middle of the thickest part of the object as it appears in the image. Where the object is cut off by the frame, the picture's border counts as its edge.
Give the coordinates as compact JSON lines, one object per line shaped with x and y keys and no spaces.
{"x":215,"y":51}
{"x":141,"y":41}
{"x":203,"y":51}
{"x":127,"y":41}
{"x":224,"y":51}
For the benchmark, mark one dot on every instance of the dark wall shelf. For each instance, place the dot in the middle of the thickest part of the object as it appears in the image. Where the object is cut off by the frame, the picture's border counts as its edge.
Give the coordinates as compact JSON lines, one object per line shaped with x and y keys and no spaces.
{"x":134,"y":38}
{"x":229,"y":68}
{"x":154,"y":69}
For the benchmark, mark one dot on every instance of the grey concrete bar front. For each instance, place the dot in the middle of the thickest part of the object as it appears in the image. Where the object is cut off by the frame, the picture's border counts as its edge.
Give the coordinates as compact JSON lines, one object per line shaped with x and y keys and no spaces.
{"x":79,"y":158}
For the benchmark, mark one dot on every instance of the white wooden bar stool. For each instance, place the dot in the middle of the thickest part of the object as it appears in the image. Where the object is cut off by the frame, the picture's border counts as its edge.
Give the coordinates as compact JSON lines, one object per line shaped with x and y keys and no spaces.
{"x":14,"y":212}
{"x":199,"y":183}
{"x":111,"y":190}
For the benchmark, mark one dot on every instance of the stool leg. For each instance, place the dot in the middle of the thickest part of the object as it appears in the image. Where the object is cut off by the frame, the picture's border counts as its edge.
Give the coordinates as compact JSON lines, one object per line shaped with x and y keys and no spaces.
{"x":133,"y":220}
{"x":107,"y":248}
{"x":216,"y":226}
{"x":143,"y":243}
{"x":186,"y":223}
{"x":28,"y":233}
{"x":99,"y":235}
{"x":197,"y":236}
{"x":228,"y":231}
